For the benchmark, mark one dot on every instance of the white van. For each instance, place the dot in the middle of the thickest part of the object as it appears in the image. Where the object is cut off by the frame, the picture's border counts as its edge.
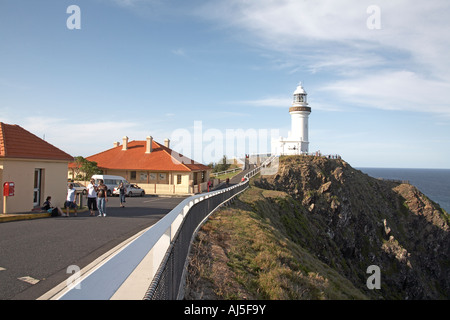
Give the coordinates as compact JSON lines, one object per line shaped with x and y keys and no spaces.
{"x":110,"y":181}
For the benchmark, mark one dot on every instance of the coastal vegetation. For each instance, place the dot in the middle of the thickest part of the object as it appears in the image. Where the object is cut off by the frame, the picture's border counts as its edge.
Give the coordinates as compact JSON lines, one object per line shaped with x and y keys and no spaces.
{"x":312,"y":230}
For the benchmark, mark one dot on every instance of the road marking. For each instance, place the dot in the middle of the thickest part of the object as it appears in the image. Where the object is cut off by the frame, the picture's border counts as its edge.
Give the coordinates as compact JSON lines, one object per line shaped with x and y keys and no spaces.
{"x":152,"y":200}
{"x":29,"y":280}
{"x":60,"y":290}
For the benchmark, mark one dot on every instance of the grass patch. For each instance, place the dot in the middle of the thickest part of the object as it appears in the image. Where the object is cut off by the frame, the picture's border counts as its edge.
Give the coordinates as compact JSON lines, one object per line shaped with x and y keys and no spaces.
{"x":257,"y":261}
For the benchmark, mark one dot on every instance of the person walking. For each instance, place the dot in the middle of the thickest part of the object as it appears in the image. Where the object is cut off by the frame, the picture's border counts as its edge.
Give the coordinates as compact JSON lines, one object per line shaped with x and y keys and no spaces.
{"x":70,"y":200}
{"x":92,"y":197}
{"x":122,"y":193}
{"x":102,"y":198}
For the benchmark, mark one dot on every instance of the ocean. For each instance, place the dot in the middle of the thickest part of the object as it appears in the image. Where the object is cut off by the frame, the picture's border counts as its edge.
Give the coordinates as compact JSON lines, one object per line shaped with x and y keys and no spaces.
{"x":434,"y":183}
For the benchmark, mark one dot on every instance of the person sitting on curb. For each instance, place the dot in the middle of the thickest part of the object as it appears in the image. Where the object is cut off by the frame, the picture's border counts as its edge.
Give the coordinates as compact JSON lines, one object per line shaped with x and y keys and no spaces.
{"x":54,"y":211}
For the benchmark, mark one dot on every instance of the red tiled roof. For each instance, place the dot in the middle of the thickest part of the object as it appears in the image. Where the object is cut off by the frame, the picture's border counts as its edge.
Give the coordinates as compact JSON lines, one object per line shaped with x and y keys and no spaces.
{"x":135,"y":158}
{"x":16,"y":142}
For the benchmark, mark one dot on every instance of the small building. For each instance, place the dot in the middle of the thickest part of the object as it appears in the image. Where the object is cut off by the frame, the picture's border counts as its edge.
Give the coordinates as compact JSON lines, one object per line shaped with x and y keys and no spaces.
{"x":37,"y":168}
{"x":154,"y":167}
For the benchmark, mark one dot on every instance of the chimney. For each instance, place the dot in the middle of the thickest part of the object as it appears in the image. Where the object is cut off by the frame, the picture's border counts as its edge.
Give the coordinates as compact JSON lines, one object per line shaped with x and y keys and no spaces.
{"x":149,"y":147}
{"x":125,"y":143}
{"x":116,"y":144}
{"x":167,"y":143}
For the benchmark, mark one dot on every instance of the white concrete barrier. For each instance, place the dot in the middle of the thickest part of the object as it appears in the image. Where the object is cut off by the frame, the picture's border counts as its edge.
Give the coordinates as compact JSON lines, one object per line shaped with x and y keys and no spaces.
{"x":126,"y":271}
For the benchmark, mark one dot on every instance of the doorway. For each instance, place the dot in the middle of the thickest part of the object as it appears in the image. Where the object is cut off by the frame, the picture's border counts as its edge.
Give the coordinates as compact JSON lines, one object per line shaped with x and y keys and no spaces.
{"x":37,"y":187}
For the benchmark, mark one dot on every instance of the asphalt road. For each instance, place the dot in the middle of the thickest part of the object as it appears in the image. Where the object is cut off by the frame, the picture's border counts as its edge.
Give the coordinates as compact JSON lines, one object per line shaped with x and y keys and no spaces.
{"x":43,"y":249}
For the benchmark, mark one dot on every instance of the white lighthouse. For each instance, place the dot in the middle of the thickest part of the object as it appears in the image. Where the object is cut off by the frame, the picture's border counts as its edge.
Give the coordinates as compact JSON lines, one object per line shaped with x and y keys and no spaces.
{"x":297,"y":141}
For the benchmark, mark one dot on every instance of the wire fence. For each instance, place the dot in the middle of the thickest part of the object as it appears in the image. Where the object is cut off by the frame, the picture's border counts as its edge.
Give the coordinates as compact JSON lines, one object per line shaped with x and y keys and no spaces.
{"x":168,"y":282}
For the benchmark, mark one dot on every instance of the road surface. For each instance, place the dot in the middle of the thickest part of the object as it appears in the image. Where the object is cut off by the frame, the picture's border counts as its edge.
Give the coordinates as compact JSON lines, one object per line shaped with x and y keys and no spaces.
{"x":35,"y":254}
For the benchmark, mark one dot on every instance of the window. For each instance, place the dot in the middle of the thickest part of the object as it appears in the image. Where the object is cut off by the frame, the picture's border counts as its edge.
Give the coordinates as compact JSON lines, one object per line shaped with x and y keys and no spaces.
{"x":178,"y":178}
{"x":133,"y":175}
{"x":300,"y":98}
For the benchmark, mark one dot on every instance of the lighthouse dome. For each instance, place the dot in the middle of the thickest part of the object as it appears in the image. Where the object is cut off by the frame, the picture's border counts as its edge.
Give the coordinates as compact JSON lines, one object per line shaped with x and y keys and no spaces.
{"x":300,"y":99}
{"x":299,"y":89}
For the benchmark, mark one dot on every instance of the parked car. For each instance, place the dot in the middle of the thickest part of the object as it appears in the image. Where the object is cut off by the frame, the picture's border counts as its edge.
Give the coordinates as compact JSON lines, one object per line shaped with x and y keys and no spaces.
{"x":109,"y":181}
{"x":79,"y":188}
{"x":132,"y":190}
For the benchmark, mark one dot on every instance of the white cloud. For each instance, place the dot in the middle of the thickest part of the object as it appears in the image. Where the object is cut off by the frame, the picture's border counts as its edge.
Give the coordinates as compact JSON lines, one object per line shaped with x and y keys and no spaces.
{"x":403,"y":66}
{"x":179,"y":52}
{"x":133,"y":3}
{"x":125,"y":3}
{"x":395,"y":90}
{"x":293,"y":26}
{"x":268,"y":102}
{"x":82,"y":138}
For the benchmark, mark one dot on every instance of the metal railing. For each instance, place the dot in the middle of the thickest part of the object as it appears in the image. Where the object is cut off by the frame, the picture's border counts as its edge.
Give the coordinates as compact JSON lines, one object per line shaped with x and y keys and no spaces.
{"x":168,"y":282}
{"x":160,"y":252}
{"x":216,"y":174}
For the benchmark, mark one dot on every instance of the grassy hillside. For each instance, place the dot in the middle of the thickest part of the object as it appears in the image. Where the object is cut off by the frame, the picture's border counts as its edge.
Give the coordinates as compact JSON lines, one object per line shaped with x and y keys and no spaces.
{"x":310,"y":232}
{"x":240,"y":254}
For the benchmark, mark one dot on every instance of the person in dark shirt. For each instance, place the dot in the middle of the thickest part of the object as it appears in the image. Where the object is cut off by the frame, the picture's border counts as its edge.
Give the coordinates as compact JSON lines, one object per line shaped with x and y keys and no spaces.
{"x":54,"y":211}
{"x":102,"y":198}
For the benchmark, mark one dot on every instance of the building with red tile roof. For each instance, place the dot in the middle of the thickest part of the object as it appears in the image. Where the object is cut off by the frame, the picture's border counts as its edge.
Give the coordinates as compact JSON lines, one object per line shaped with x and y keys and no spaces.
{"x":16,"y":142}
{"x":37,"y":168}
{"x":154,"y":166}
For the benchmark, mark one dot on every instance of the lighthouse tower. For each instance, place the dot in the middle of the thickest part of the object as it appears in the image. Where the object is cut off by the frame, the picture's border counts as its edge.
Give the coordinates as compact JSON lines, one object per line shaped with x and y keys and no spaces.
{"x":297,"y":141}
{"x":299,"y":119}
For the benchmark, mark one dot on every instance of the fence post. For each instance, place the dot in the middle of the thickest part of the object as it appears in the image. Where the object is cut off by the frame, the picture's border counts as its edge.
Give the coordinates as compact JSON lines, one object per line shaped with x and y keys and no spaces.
{"x":80,"y":200}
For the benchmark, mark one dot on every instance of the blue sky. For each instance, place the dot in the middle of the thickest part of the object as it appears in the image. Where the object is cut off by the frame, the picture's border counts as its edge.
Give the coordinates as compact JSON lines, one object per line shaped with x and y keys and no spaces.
{"x":379,"y":97}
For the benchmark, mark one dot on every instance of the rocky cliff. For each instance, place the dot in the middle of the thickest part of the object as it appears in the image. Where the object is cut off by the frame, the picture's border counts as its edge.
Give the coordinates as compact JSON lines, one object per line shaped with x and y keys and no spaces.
{"x":327,"y":223}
